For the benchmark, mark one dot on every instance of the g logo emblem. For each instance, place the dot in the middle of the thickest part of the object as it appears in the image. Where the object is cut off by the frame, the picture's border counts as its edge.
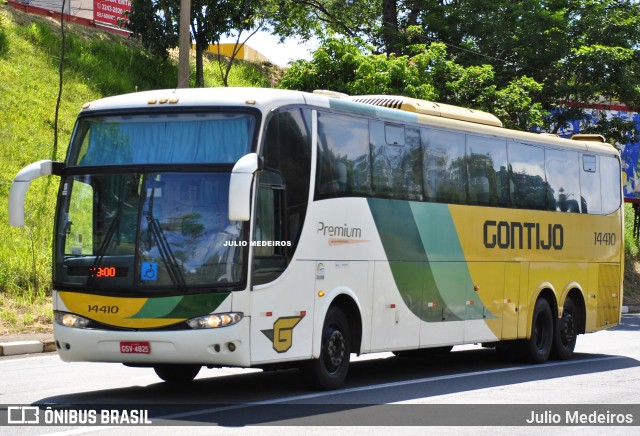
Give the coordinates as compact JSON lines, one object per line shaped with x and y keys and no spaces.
{"x":282,"y":334}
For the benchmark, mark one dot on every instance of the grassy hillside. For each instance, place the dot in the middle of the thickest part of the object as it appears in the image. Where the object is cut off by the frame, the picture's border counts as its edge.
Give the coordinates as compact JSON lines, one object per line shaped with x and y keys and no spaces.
{"x":96,"y":64}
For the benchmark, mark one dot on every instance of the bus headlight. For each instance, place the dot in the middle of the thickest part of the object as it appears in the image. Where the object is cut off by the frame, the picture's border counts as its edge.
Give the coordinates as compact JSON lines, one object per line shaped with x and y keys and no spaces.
{"x":215,"y":320}
{"x":70,"y":320}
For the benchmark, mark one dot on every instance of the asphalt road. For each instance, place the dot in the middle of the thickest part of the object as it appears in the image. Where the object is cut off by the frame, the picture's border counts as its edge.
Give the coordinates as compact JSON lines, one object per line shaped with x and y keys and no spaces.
{"x":470,"y":390}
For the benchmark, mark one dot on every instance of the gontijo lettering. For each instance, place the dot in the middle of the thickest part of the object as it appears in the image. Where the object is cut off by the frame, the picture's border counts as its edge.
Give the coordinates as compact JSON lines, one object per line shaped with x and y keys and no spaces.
{"x":522,"y":235}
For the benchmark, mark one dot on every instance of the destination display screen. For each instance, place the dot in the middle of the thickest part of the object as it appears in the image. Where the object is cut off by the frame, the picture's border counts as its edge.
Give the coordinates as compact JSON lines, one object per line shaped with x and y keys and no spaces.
{"x":100,"y":272}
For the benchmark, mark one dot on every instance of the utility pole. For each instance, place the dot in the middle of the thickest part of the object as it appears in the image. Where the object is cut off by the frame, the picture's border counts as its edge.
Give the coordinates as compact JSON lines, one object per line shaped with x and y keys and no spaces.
{"x":185,"y":44}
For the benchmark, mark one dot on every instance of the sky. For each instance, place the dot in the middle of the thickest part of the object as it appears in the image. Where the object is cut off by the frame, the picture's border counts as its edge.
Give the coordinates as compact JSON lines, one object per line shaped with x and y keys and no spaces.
{"x":279,"y":53}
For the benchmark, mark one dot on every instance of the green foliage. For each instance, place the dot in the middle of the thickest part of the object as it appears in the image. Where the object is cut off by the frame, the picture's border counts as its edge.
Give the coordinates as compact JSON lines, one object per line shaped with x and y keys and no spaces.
{"x":104,"y":58}
{"x":4,"y":39}
{"x":631,"y":244}
{"x":428,"y":73}
{"x":157,"y":32}
{"x":156,"y":23}
{"x":579,"y":51}
{"x":515,"y":105}
{"x":334,"y":66}
{"x":242,"y":74}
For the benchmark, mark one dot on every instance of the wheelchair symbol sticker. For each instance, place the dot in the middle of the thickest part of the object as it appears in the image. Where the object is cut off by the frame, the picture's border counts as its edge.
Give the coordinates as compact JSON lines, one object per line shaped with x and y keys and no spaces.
{"x":149,"y":271}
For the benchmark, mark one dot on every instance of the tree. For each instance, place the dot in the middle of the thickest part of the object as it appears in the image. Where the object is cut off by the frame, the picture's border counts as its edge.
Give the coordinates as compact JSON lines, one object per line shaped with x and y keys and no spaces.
{"x":582,"y":51}
{"x":579,"y":51}
{"x":155,"y":22}
{"x":307,"y":18}
{"x":428,"y":73}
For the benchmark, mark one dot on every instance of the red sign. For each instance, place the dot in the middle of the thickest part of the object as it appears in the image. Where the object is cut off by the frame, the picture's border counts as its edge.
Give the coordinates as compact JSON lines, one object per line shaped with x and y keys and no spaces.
{"x":110,"y":11}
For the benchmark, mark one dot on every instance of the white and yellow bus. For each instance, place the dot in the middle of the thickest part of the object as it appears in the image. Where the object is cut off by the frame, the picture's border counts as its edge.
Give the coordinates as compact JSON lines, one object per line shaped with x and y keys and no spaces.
{"x":251,"y":227}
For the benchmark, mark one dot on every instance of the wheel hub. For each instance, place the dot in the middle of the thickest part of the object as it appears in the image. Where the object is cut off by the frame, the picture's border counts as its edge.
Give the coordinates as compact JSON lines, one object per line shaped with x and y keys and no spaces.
{"x":335,"y":349}
{"x":568,"y":329}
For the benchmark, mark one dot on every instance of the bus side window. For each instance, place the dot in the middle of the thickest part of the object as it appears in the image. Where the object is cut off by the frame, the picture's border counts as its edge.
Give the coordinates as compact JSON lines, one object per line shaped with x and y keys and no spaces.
{"x":445,"y":171}
{"x":527,"y":174}
{"x":344,"y":166}
{"x":590,"y":199}
{"x":487,"y":165}
{"x":270,"y":228}
{"x":562,"y":168}
{"x":396,"y":161}
{"x":611,"y":179}
{"x":283,"y":191}
{"x":79,"y":229}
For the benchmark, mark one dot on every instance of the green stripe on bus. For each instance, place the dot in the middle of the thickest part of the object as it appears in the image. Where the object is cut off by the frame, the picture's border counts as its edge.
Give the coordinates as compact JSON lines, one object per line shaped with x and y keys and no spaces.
{"x":187,"y":306}
{"x":426,"y":260}
{"x":157,"y":307}
{"x":408,"y":260}
{"x":448,"y":266}
{"x":196,"y":305}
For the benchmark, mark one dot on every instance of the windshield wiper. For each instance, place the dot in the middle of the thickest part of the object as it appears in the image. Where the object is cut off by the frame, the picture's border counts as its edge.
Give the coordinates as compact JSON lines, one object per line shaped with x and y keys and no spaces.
{"x":167,"y":255}
{"x":106,"y":242}
{"x":168,"y":258}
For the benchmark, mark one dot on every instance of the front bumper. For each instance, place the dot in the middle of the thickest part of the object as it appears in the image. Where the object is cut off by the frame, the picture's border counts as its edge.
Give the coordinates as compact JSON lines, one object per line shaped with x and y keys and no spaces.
{"x":226,"y":346}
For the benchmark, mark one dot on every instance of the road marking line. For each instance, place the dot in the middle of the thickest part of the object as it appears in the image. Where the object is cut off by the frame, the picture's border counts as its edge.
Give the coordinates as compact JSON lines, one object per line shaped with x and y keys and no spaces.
{"x":382,"y":386}
{"x":349,"y":391}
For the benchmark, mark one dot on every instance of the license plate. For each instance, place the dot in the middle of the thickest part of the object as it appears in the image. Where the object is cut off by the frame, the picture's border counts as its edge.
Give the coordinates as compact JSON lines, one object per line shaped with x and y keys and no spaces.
{"x":135,"y":347}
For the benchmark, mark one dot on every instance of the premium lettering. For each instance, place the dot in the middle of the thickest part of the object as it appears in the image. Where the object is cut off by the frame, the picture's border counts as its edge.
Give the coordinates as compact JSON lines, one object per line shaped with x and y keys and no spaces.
{"x":344,"y":231}
{"x":522,"y":235}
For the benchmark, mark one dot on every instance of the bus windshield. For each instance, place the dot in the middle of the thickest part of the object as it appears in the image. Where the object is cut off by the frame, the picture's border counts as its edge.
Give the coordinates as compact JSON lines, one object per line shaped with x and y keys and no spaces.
{"x":128,"y":222}
{"x":165,"y":231}
{"x":212,"y":138}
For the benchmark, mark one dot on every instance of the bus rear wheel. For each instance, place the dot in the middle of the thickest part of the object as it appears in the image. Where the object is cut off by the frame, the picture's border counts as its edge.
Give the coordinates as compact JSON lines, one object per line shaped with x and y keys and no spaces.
{"x":565,"y":332}
{"x":330,"y":369}
{"x":176,"y":373}
{"x":537,"y":348}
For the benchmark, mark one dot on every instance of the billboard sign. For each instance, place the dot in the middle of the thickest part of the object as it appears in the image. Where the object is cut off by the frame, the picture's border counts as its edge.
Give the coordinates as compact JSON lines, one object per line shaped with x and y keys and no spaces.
{"x":110,"y":11}
{"x":630,"y":151}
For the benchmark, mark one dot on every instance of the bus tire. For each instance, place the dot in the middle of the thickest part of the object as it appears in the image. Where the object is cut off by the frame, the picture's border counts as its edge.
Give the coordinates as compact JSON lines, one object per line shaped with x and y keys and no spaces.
{"x":565,"y":331}
{"x":176,"y":373}
{"x":330,"y":369}
{"x":537,"y":348}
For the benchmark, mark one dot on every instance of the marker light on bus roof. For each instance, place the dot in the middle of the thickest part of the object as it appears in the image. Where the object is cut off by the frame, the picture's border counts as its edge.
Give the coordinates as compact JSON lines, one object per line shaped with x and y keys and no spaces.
{"x":215,"y":320}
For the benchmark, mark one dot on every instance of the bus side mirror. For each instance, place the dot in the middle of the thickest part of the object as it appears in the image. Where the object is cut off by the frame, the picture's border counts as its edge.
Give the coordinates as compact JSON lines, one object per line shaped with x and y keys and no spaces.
{"x":240,"y":187}
{"x":21,"y":184}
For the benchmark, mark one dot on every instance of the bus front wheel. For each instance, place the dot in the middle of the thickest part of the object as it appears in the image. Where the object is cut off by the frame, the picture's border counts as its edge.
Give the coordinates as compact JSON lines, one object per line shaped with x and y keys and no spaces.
{"x":537,"y":348}
{"x":330,"y":369}
{"x":177,"y":373}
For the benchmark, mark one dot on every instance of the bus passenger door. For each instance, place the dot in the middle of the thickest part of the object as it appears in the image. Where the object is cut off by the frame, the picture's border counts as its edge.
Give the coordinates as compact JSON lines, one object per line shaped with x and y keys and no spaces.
{"x":282,"y":316}
{"x":282,"y":295}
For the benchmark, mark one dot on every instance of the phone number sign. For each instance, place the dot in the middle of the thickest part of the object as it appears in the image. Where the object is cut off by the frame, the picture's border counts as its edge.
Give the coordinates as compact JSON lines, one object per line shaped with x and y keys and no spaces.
{"x":110,"y":11}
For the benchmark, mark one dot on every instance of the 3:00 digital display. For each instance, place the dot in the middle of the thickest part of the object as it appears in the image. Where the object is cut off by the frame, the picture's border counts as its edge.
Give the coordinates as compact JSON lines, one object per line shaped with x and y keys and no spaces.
{"x":107,"y":272}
